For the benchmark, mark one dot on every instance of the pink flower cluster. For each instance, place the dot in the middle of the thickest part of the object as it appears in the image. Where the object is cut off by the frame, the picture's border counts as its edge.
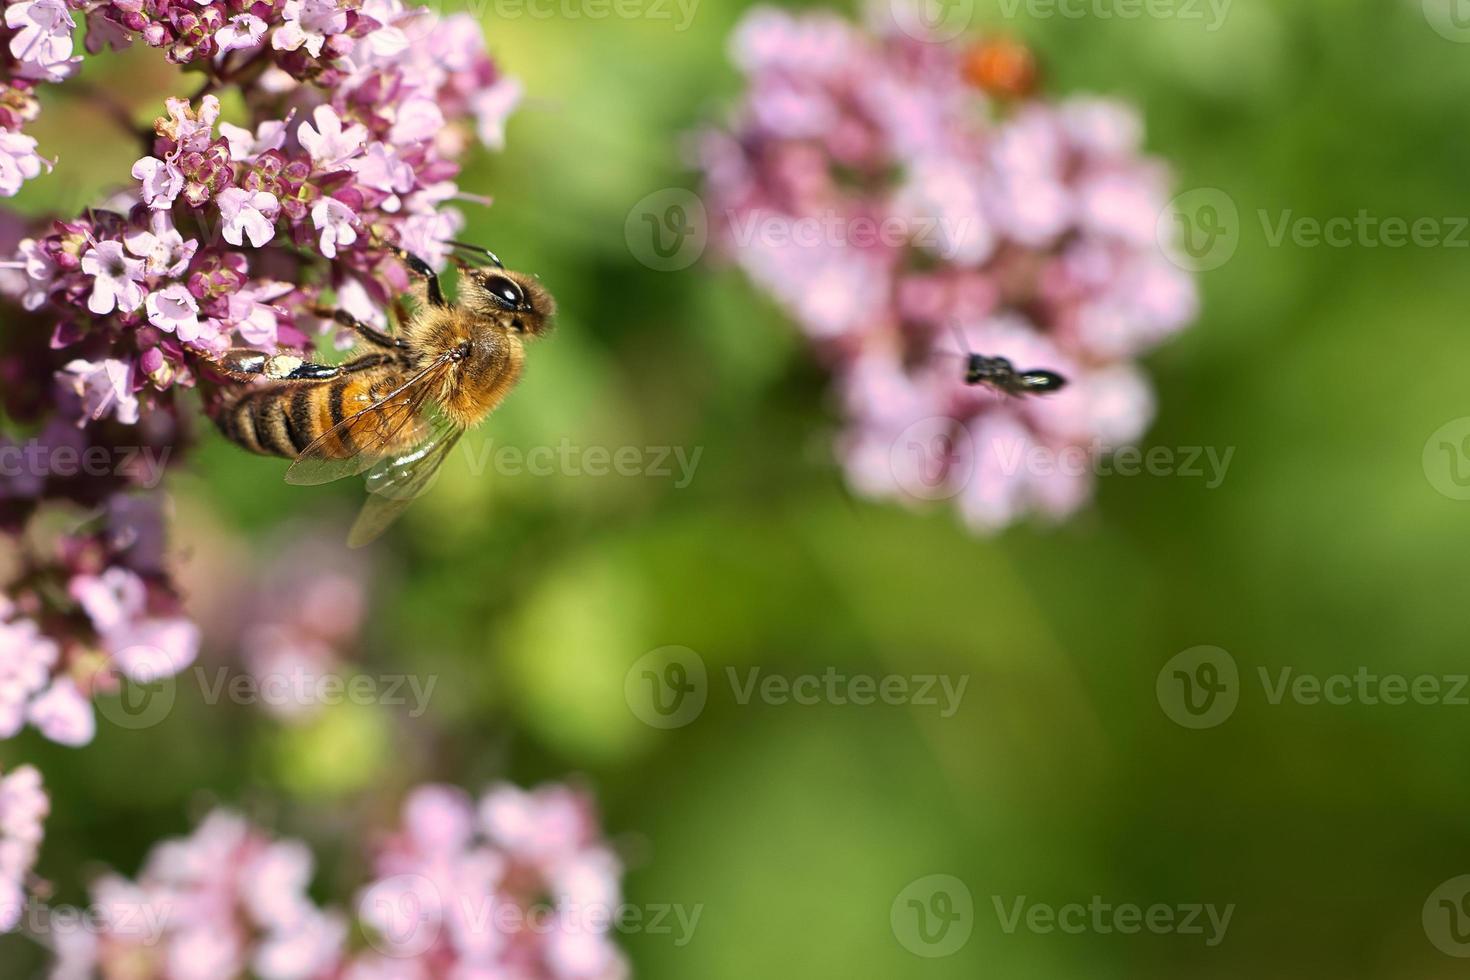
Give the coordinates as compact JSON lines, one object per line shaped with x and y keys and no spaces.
{"x":120,"y":620}
{"x":23,"y":810}
{"x":210,"y":906}
{"x":352,"y":119}
{"x":516,"y":885}
{"x":38,"y":48}
{"x":301,"y":619}
{"x":905,"y":218}
{"x":458,"y":890}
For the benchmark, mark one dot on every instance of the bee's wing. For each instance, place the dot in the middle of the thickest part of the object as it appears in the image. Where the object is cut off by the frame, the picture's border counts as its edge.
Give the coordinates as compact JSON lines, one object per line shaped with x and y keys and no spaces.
{"x":358,"y":442}
{"x":397,"y":480}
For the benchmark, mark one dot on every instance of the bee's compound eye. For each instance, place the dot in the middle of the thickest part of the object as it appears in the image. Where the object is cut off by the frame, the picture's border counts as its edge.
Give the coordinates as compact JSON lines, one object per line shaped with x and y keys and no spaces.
{"x":505,"y":291}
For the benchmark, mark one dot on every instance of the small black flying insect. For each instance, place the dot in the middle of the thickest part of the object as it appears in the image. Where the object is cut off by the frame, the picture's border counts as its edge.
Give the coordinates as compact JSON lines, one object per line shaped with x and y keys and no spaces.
{"x":1000,"y":374}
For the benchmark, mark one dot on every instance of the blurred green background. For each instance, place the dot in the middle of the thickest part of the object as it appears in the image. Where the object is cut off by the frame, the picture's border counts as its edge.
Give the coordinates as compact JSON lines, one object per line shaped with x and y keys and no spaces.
{"x":795,"y":828}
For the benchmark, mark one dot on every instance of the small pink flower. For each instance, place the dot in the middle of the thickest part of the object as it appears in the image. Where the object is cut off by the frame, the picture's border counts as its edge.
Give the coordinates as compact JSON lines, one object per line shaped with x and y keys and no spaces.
{"x":104,"y":387}
{"x":329,"y":144}
{"x":307,"y":24}
{"x":492,"y":107}
{"x":63,"y":715}
{"x":248,"y":213}
{"x":252,"y":316}
{"x":269,"y":135}
{"x":240,"y":31}
{"x":152,"y":648}
{"x":43,"y":38}
{"x":419,"y":118}
{"x":26,"y":660}
{"x":335,"y":221}
{"x":162,"y":182}
{"x":116,"y":278}
{"x":19,"y":162}
{"x":173,"y":308}
{"x":24,"y":807}
{"x":382,"y":169}
{"x":163,"y":249}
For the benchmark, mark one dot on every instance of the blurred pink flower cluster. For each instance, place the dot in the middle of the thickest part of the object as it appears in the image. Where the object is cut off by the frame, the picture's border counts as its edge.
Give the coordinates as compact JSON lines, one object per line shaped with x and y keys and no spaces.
{"x":225,"y":900}
{"x":23,"y":810}
{"x":301,"y":617}
{"x":349,"y":123}
{"x":509,"y":887}
{"x":518,"y":884}
{"x":119,"y":619}
{"x":905,"y":217}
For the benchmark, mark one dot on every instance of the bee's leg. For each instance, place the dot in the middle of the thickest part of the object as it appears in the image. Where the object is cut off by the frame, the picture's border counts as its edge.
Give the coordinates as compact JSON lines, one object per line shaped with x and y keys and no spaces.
{"x":367,"y":332}
{"x":479,"y":250}
{"x":420,"y":268}
{"x":243,"y":364}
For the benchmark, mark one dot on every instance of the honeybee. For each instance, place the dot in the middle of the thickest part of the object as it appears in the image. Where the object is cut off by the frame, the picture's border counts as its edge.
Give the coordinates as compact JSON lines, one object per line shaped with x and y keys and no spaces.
{"x":1000,"y":374}
{"x":399,"y":404}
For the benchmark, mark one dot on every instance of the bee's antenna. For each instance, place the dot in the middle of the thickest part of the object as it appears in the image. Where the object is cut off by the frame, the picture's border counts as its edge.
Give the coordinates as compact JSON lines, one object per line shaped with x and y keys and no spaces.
{"x":959,"y":337}
{"x":479,"y":250}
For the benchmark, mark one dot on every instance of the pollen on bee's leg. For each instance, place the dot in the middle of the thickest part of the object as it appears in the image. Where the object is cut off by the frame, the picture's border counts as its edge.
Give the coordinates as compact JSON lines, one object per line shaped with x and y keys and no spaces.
{"x":280,"y":366}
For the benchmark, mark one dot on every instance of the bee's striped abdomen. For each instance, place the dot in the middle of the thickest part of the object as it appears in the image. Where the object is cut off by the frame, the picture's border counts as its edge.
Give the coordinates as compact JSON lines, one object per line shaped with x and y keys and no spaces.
{"x":284,"y":419}
{"x":261,"y":422}
{"x":280,"y":420}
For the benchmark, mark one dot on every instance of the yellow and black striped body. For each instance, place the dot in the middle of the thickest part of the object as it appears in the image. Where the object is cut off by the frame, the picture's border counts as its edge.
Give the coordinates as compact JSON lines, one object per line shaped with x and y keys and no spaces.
{"x":282,"y":418}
